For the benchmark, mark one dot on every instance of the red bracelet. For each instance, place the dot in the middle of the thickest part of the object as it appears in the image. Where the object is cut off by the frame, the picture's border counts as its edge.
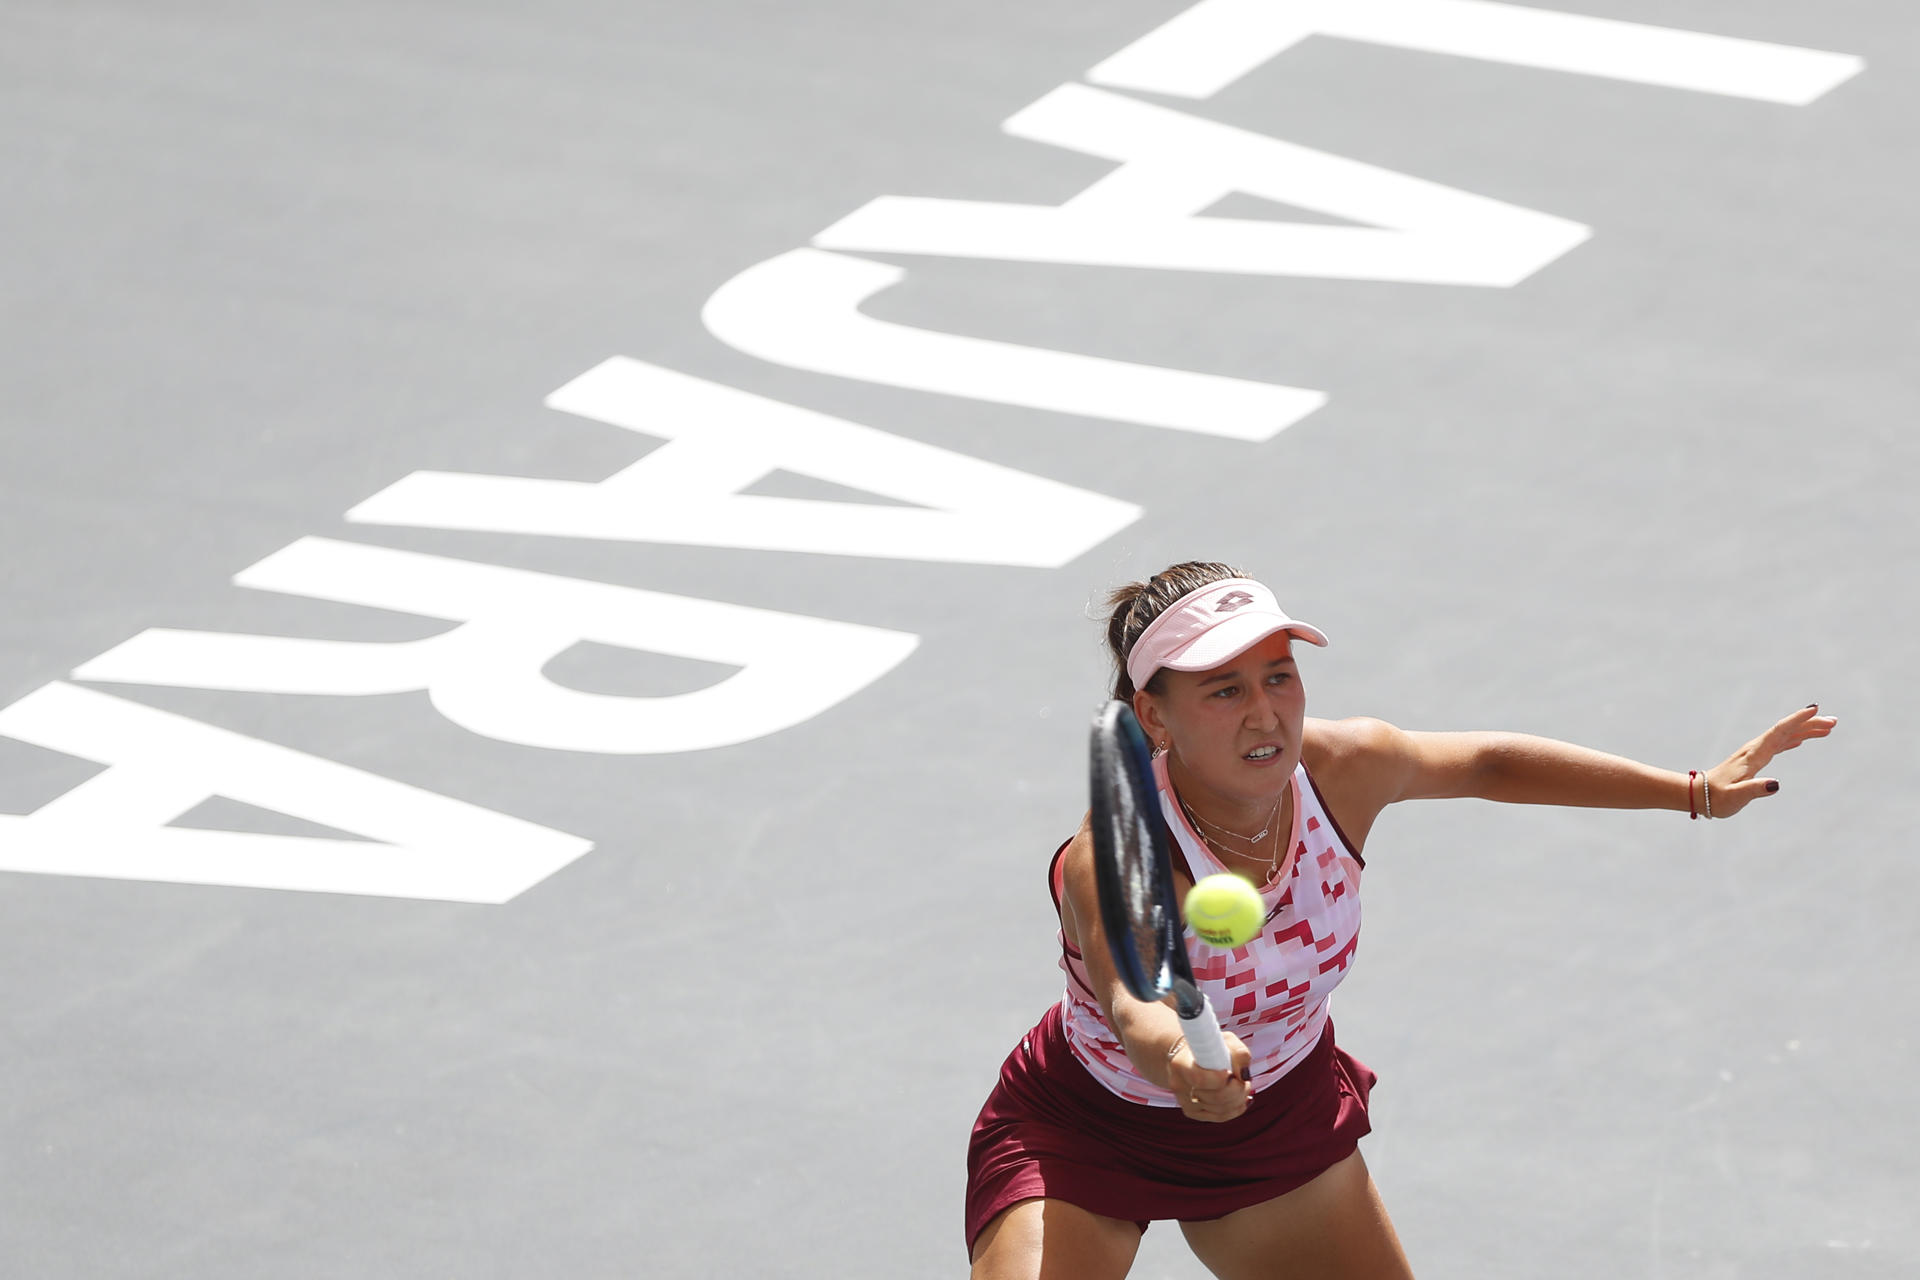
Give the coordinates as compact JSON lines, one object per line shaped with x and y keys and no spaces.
{"x":1692,"y":811}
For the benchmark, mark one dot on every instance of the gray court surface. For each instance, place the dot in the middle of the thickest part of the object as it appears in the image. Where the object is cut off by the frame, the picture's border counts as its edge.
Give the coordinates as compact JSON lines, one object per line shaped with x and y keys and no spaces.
{"x":260,"y":262}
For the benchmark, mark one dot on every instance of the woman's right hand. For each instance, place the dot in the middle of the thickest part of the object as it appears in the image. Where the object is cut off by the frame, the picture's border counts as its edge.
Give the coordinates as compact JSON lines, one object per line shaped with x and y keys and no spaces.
{"x":1212,"y":1096}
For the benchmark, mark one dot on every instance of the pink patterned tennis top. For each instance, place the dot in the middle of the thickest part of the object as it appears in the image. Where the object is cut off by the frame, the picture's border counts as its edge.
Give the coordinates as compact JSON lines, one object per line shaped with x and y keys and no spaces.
{"x":1272,"y":992}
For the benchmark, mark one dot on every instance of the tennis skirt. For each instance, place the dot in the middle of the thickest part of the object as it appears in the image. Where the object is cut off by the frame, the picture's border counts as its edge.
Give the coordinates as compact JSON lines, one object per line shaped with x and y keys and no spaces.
{"x":1050,"y":1129}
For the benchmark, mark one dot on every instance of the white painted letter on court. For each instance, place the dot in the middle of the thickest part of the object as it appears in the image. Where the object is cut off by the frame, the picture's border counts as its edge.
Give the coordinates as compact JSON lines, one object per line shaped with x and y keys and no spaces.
{"x":486,"y":674}
{"x":722,"y":440}
{"x":161,"y":765}
{"x":1146,"y":212}
{"x":1207,"y":48}
{"x":802,"y":309}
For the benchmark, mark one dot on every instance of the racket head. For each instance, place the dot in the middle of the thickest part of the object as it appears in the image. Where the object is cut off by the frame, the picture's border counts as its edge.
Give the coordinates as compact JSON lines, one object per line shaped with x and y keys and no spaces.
{"x":1133,"y":869}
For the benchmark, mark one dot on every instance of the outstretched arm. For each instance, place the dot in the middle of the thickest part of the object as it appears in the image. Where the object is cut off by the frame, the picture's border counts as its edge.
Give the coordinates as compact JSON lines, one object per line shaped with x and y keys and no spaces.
{"x":1521,"y":769}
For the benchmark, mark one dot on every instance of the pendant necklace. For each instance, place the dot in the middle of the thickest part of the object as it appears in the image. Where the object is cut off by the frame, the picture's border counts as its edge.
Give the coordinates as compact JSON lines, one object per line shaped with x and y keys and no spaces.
{"x":1273,"y":863}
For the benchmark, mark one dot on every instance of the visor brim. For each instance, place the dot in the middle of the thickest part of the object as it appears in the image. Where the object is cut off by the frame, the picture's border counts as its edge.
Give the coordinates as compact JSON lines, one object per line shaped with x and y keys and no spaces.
{"x":1219,"y":645}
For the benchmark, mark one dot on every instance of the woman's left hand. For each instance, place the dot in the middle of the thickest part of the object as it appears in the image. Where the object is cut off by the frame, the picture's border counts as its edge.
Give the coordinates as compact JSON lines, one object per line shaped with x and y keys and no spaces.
{"x":1736,"y":782}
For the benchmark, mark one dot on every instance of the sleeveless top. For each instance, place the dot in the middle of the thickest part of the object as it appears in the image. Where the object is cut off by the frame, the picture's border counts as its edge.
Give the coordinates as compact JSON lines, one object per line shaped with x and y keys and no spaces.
{"x":1273,"y":991}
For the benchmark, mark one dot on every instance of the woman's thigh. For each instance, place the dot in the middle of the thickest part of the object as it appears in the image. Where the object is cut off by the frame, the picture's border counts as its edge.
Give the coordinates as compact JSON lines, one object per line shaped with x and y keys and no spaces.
{"x":1054,"y":1240}
{"x":1333,"y":1228}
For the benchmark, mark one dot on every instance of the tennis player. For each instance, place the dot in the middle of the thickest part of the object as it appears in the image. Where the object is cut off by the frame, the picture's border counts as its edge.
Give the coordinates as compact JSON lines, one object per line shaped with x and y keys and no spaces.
{"x":1101,"y":1121}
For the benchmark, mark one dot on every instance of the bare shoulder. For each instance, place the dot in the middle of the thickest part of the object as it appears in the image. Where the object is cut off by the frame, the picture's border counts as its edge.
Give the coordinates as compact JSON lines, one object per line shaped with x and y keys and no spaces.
{"x":1356,"y":742}
{"x":1076,"y":880}
{"x":1357,"y":765}
{"x":1078,"y":855}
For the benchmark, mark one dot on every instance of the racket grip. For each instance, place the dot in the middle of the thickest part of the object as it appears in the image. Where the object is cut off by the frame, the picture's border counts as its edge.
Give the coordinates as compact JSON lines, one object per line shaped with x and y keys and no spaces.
{"x":1203,"y":1037}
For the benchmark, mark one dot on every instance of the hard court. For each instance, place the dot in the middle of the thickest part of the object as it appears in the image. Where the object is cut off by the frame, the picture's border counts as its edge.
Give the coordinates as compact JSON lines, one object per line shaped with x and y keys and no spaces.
{"x":545,"y":629}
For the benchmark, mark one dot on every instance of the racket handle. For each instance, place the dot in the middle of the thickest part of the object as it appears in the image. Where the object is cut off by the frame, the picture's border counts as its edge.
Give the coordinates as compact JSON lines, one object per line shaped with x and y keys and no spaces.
{"x":1202,"y":1030}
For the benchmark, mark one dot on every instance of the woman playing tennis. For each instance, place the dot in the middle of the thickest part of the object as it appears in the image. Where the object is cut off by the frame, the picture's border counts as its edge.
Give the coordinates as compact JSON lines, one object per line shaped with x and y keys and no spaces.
{"x":1101,"y":1121}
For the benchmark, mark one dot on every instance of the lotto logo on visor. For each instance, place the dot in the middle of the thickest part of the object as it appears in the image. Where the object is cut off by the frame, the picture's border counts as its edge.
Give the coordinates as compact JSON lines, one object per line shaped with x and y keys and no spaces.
{"x":1206,"y":628}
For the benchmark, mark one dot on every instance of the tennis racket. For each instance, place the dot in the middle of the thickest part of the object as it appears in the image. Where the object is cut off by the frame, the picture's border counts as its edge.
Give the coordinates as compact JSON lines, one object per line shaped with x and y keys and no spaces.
{"x":1134,"y":873}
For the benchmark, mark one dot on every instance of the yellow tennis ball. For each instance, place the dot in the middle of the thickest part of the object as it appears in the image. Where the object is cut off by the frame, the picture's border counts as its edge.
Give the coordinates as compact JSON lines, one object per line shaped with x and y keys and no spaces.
{"x":1224,"y":910}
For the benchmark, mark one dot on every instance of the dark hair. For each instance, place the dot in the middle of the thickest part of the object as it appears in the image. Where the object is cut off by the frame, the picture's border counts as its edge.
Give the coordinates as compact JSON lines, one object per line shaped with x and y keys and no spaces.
{"x":1134,"y":607}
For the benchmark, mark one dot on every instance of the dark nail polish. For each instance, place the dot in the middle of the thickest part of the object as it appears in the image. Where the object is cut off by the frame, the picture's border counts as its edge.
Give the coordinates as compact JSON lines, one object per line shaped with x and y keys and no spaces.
{"x":1772,"y":787}
{"x":1813,"y":706}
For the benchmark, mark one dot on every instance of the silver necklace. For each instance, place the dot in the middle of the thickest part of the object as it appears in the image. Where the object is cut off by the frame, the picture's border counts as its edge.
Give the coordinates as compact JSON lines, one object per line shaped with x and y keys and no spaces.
{"x":1253,"y":839}
{"x":1273,"y":863}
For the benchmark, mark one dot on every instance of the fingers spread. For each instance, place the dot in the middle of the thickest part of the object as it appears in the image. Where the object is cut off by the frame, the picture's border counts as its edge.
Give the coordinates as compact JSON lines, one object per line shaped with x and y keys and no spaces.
{"x":1791,"y":731}
{"x":1808,"y":720}
{"x":1817,"y":727}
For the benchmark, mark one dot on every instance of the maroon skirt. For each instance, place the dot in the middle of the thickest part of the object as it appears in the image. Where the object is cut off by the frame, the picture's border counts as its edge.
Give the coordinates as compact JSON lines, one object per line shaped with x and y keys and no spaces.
{"x":1050,"y":1129}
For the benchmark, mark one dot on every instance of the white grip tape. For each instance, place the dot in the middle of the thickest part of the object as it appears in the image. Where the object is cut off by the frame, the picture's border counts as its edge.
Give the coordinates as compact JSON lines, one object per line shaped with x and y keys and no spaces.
{"x":1203,"y":1037}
